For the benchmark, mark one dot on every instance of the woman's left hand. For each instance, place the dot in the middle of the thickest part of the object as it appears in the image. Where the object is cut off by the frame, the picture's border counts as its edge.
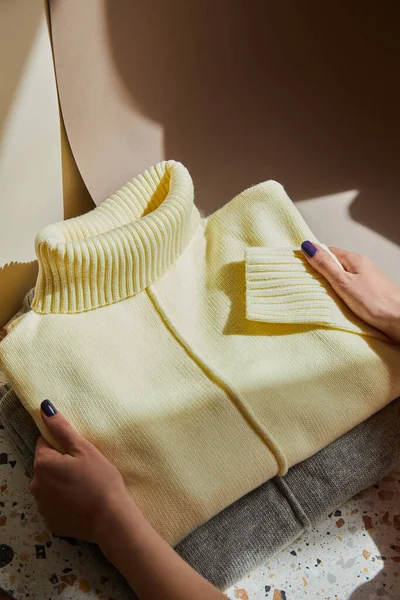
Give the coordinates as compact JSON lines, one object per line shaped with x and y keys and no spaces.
{"x":76,"y":490}
{"x":81,"y":494}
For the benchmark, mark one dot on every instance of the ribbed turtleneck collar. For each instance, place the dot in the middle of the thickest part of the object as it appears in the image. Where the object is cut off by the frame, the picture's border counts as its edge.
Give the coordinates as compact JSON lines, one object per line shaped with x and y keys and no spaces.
{"x":119,"y":248}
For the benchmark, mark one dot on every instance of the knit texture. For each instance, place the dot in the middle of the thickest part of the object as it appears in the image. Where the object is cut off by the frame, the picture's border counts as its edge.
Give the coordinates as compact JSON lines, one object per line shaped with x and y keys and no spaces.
{"x":251,"y":530}
{"x":139,"y":335}
{"x":283,"y":288}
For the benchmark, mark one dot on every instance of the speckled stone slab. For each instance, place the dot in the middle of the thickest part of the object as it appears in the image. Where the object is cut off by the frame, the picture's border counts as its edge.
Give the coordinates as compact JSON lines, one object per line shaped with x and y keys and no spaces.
{"x":354,"y":554}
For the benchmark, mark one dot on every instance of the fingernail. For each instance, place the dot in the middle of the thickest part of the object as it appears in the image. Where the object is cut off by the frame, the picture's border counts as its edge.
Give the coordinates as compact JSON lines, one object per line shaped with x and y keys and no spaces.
{"x":309,"y":249}
{"x":48,"y":408}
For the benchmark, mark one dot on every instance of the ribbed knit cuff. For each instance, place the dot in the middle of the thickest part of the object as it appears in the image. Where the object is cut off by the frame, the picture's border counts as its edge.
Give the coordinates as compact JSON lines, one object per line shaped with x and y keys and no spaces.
{"x":281,"y":287}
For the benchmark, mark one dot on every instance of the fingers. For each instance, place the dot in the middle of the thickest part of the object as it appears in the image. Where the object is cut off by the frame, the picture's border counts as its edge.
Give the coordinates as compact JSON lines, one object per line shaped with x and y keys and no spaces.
{"x":350,"y":260}
{"x":44,"y":452}
{"x":59,"y":428}
{"x":322,"y":262}
{"x":43,"y":445}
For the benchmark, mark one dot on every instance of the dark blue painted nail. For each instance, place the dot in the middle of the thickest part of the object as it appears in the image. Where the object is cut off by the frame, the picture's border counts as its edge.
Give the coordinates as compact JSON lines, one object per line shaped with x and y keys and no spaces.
{"x":48,"y":408}
{"x":309,"y":249}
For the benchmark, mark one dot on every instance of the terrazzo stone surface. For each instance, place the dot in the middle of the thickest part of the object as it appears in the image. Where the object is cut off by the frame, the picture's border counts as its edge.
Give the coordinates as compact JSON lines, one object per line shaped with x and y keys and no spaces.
{"x":354,"y":554}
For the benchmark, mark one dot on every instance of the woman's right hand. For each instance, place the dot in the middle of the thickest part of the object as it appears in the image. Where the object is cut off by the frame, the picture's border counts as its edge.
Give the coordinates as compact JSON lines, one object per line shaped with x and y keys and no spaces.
{"x":361,"y":285}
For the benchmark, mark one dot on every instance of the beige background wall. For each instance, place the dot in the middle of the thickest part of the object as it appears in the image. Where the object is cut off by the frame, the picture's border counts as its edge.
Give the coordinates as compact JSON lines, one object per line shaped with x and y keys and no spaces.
{"x":297,"y":90}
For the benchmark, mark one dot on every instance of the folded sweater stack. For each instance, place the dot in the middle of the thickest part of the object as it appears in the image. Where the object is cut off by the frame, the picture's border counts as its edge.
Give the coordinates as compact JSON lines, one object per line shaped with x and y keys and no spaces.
{"x":202,"y":357}
{"x":261,"y":523}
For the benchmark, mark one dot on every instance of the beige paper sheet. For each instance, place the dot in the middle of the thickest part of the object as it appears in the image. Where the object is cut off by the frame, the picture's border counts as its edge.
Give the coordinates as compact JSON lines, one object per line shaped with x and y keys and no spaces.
{"x":39,"y":180}
{"x":112,"y":140}
{"x":30,"y":145}
{"x":30,"y":151}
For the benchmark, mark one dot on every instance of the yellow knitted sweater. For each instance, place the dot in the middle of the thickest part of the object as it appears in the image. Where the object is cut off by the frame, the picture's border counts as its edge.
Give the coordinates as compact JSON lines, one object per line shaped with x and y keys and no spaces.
{"x":201,"y":356}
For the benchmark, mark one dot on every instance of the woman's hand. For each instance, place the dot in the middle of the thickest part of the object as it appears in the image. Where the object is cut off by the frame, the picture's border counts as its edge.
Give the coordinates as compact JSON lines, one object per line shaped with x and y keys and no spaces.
{"x":76,"y":491}
{"x":81,"y":494}
{"x":361,"y":285}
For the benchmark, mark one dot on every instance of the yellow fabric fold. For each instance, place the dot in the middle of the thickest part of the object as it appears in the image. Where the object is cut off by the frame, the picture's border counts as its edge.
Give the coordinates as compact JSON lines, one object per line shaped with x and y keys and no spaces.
{"x":282,"y":287}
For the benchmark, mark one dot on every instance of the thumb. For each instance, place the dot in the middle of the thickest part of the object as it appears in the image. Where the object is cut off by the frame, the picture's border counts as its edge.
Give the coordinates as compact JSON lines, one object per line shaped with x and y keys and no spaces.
{"x":323,"y":262}
{"x":59,"y":428}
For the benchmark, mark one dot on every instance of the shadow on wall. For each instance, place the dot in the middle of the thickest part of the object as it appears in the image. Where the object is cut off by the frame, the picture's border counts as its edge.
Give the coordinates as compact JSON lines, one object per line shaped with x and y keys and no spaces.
{"x":76,"y":198}
{"x":247,"y":91}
